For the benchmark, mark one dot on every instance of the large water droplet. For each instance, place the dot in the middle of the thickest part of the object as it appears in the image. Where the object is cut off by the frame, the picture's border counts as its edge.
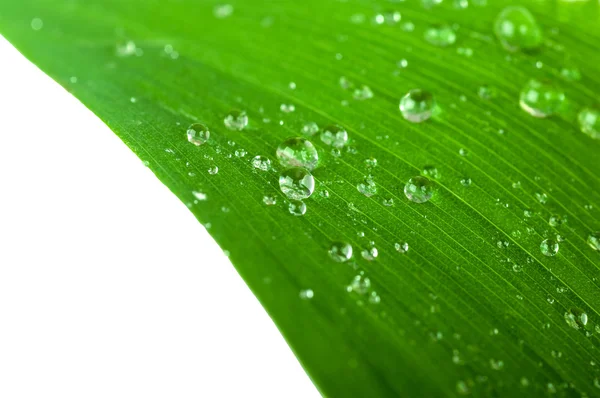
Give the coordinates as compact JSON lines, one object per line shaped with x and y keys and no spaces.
{"x":335,"y":136}
{"x":297,"y":208}
{"x":297,"y":183}
{"x":589,"y":122}
{"x":198,"y":134}
{"x":418,"y":189}
{"x":440,"y":35}
{"x":541,"y":98}
{"x":549,"y":247}
{"x":517,"y":29}
{"x":340,"y":251}
{"x":261,"y":163}
{"x":593,"y":240}
{"x":576,"y":318}
{"x":236,"y":120}
{"x":417,"y":105}
{"x":297,"y":152}
{"x":367,"y":187}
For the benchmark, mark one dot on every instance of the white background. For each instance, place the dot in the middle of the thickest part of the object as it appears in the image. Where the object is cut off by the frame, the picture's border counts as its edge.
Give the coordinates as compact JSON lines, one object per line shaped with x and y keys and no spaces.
{"x":108,"y":286}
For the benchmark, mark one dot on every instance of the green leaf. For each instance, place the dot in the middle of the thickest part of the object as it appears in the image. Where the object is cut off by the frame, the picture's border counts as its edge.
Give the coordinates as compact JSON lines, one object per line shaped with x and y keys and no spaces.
{"x":473,"y":306}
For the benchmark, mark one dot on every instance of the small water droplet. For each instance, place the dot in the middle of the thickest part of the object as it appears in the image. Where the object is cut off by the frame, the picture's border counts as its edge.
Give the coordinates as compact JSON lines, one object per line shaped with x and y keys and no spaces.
{"x":297,"y":183}
{"x":223,"y":10}
{"x":570,"y":73}
{"x":371,"y":163}
{"x":389,"y":17}
{"x":541,"y":98}
{"x":541,"y":197}
{"x":269,"y":200}
{"x":418,"y":189}
{"x":292,"y":86}
{"x":367,"y":187}
{"x":556,"y":220}
{"x":310,"y":128}
{"x":496,"y":364}
{"x":213,"y":170}
{"x":466,"y":182}
{"x":463,"y":152}
{"x":297,"y":152}
{"x":306,"y":294}
{"x":370,"y":253}
{"x":417,"y":105}
{"x":261,"y":163}
{"x":576,"y":318}
{"x":37,"y":24}
{"x":589,"y":122}
{"x":440,"y":35}
{"x":549,"y":247}
{"x":324,"y":193}
{"x":198,"y":134}
{"x":340,"y":252}
{"x":486,"y":92}
{"x":240,"y":153}
{"x":287,"y":108}
{"x":593,"y":240}
{"x":297,"y":208}
{"x":335,"y":136}
{"x":430,"y":172}
{"x":236,"y":120}
{"x":201,"y":196}
{"x":360,"y":284}
{"x":362,"y":93}
{"x":388,"y":202}
{"x":516,"y":29}
{"x":401,"y":247}
{"x":516,"y":185}
{"x":462,"y":388}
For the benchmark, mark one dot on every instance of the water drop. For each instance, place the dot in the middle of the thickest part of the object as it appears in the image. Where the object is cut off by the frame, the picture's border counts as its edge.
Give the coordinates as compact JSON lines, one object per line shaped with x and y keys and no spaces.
{"x":287,"y":108}
{"x":345,"y":83}
{"x":486,"y":92}
{"x":297,"y":152}
{"x":430,"y":172}
{"x":335,"y":136}
{"x":463,"y":152}
{"x":462,"y":388}
{"x":576,"y":318}
{"x":516,"y":29}
{"x":223,"y":10}
{"x":240,"y":153}
{"x":236,"y":120}
{"x":297,"y":183}
{"x":541,"y":197}
{"x":292,"y":86}
{"x":360,"y":284}
{"x":593,"y":240}
{"x":371,"y":163}
{"x":466,"y":182}
{"x":306,"y":294}
{"x":496,"y":364}
{"x":570,"y":73}
{"x":556,"y":220}
{"x":589,"y":122}
{"x":401,"y":247}
{"x":389,"y":17}
{"x":37,"y":24}
{"x":370,"y":253}
{"x":541,"y":98}
{"x":309,"y":129}
{"x":367,"y":187}
{"x":269,"y":200}
{"x":201,"y":196}
{"x":388,"y":202}
{"x":261,"y":163}
{"x":198,"y":134}
{"x":549,"y":247}
{"x":297,"y":208}
{"x":418,"y":189}
{"x":213,"y":170}
{"x":417,"y":105}
{"x":440,"y":35}
{"x":374,"y":298}
{"x":362,"y":93}
{"x":340,"y":252}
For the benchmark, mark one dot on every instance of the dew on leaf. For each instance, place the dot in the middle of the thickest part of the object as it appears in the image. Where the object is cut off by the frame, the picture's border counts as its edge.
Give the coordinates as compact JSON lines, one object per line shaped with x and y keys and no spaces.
{"x":269,"y":200}
{"x":310,"y":128}
{"x":556,"y":220}
{"x":465,"y":182}
{"x":541,"y":197}
{"x":367,"y":187}
{"x":430,"y":172}
{"x":576,"y":318}
{"x":541,"y":98}
{"x":589,"y":122}
{"x":370,"y":253}
{"x":297,"y":208}
{"x":201,"y":196}
{"x":359,"y":284}
{"x":297,"y":152}
{"x":549,"y":247}
{"x":340,"y":252}
{"x":198,"y":134}
{"x":236,"y":120}
{"x":287,"y":108}
{"x":297,"y":183}
{"x":516,"y":29}
{"x":401,"y":247}
{"x":362,"y":93}
{"x":213,"y":170}
{"x":486,"y":92}
{"x":440,"y":35}
{"x":388,"y":202}
{"x":335,"y":136}
{"x":261,"y":163}
{"x":417,"y":105}
{"x":223,"y":10}
{"x":306,"y":294}
{"x":418,"y":189}
{"x":240,"y":153}
{"x":389,"y":17}
{"x":593,"y":240}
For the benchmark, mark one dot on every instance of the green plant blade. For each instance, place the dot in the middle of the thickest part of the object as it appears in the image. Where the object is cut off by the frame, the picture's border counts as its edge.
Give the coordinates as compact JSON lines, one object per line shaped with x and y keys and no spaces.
{"x":473,"y":307}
